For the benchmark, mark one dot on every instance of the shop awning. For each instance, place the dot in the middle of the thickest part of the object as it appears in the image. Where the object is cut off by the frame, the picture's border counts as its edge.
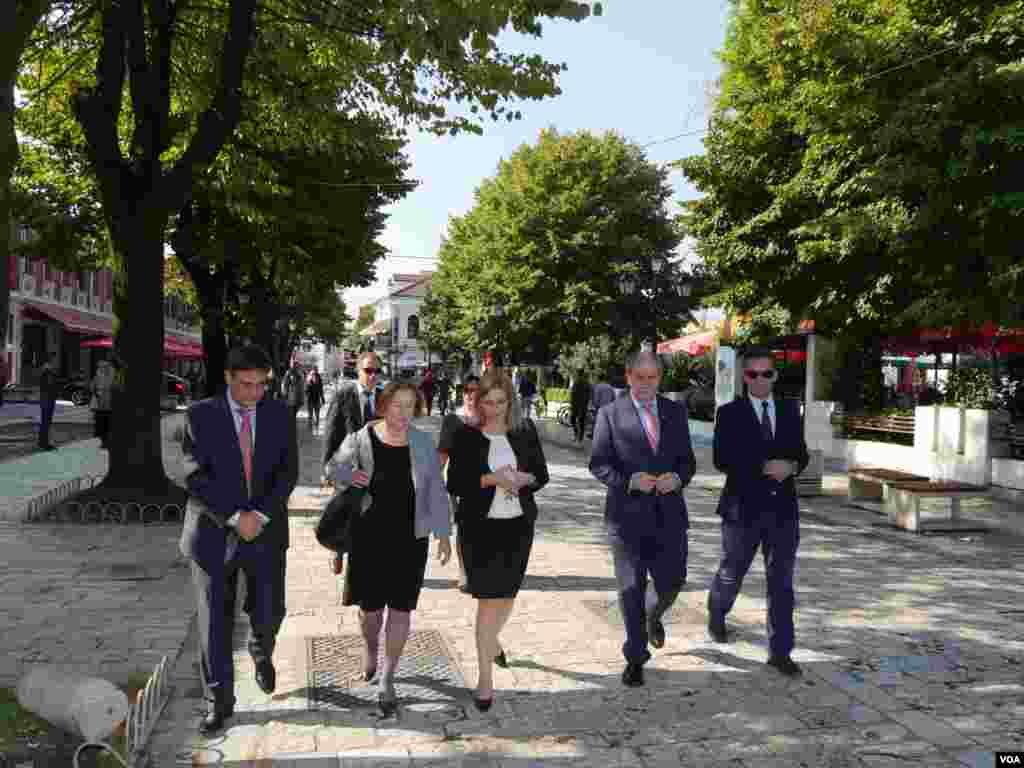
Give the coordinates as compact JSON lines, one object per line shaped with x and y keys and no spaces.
{"x":71,"y":319}
{"x":693,"y":344}
{"x":171,"y":347}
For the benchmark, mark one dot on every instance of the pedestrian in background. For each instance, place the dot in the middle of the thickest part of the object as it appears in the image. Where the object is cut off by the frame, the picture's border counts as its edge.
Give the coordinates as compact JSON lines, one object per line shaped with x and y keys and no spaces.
{"x":314,"y":397}
{"x":527,"y":389}
{"x":404,"y":504}
{"x":643,"y":454}
{"x":49,"y":390}
{"x":102,"y":402}
{"x":579,"y":403}
{"x":450,"y":425}
{"x":494,"y":472}
{"x":444,"y":392}
{"x":759,"y":445}
{"x":354,"y":405}
{"x":294,"y":389}
{"x":427,"y":388}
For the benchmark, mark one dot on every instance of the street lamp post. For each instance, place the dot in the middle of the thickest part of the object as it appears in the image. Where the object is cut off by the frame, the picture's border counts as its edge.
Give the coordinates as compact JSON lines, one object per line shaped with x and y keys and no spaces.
{"x":646,"y":285}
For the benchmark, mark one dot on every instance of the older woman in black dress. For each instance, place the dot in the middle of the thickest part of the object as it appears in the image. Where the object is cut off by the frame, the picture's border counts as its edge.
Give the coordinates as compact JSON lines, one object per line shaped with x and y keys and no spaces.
{"x":405,"y":503}
{"x":495,"y":471}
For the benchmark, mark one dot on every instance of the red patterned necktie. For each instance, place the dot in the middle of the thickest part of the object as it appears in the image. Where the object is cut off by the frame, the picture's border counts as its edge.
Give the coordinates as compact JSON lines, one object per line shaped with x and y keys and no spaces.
{"x":652,"y":426}
{"x":245,"y":443}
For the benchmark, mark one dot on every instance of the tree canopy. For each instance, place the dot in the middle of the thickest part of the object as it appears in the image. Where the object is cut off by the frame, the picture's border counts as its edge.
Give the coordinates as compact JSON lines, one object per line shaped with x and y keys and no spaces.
{"x":547,"y":239}
{"x":863,"y":162}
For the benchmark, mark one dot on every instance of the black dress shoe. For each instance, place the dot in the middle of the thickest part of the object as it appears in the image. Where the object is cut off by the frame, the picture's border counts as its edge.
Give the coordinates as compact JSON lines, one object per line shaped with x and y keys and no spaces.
{"x":785,"y":665}
{"x":387,"y":703}
{"x":633,"y":675}
{"x":217,"y":712}
{"x":482,"y":704}
{"x":656,"y":633}
{"x":718,"y":632}
{"x":501,"y":660}
{"x":266,"y":676}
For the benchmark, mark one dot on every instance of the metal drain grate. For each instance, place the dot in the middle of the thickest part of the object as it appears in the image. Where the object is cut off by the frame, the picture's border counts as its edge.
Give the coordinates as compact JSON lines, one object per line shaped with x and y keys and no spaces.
{"x":426,"y":674}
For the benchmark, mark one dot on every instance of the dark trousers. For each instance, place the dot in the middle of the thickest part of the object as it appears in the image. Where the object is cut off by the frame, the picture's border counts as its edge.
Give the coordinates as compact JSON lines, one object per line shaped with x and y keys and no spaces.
{"x":101,"y":426}
{"x":579,"y":422}
{"x":216,"y":590}
{"x":46,"y":406}
{"x":666,"y":565}
{"x":778,"y":542}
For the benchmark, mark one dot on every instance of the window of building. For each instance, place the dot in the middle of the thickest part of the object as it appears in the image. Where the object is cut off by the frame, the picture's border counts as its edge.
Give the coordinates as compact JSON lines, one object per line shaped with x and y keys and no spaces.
{"x":83,"y":279}
{"x":10,"y":329}
{"x":26,"y":263}
{"x":412,"y":327}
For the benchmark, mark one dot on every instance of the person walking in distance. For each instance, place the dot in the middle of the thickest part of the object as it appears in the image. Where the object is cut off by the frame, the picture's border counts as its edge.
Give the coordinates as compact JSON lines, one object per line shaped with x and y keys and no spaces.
{"x":642,"y":452}
{"x":759,"y":445}
{"x":444,"y":390}
{"x":314,"y":397}
{"x":49,"y":389}
{"x":404,"y":504}
{"x":354,"y":404}
{"x":427,"y":389}
{"x":450,"y":425}
{"x":294,"y":389}
{"x":579,"y":403}
{"x":241,"y":465}
{"x":102,"y":402}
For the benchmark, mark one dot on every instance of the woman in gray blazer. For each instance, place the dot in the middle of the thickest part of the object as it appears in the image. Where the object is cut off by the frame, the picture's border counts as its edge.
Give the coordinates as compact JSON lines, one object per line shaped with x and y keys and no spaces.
{"x":405,"y":502}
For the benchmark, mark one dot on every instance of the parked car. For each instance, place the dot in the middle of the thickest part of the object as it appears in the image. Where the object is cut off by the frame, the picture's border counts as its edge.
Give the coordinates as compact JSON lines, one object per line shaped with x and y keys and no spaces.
{"x":78,"y":390}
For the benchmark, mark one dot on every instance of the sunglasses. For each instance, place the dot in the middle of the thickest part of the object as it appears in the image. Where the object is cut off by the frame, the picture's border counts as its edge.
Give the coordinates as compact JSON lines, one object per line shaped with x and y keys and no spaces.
{"x":762,"y":374}
{"x":371,"y":371}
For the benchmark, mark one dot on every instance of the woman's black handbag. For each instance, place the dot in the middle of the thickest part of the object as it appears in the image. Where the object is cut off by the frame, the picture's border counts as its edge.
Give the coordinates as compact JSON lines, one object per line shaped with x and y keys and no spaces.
{"x":334,"y":529}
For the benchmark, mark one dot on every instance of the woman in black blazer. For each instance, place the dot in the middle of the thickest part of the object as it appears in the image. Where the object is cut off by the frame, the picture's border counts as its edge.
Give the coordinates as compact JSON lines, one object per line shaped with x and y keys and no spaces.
{"x":495,"y":471}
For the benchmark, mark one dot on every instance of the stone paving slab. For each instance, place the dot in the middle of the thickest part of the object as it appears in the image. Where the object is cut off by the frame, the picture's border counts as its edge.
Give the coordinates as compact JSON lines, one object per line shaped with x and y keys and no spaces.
{"x":911,"y":650}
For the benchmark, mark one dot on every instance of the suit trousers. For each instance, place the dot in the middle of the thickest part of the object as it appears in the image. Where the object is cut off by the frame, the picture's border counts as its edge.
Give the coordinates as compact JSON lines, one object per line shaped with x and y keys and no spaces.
{"x":46,"y":408}
{"x":216,"y":588}
{"x":665,"y":564}
{"x":778,"y":542}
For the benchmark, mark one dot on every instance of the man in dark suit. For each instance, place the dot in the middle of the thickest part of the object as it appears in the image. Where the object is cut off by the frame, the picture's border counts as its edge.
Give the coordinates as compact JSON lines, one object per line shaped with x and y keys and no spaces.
{"x":759,"y":444}
{"x":642,"y":452}
{"x":353,"y":405}
{"x":241,"y":462}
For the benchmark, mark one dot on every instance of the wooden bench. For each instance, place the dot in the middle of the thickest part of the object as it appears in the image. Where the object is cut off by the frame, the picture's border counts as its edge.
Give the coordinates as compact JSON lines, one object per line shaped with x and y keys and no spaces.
{"x":850,"y":422}
{"x":873,"y":482}
{"x":903,"y":502}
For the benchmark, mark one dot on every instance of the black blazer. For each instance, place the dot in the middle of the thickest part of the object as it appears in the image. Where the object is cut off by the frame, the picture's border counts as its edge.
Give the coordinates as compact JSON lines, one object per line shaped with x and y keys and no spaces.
{"x":216,"y":475}
{"x":740,"y":451}
{"x":344,"y":417}
{"x":467,"y":463}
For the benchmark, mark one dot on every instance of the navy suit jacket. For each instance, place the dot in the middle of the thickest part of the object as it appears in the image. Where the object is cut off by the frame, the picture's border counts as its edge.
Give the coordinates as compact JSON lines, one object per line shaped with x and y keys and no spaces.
{"x":740,"y":451}
{"x":216,"y":476}
{"x":620,"y":449}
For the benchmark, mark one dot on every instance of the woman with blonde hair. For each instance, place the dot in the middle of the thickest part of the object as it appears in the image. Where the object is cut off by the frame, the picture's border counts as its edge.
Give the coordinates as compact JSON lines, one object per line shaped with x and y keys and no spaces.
{"x":404,"y":503}
{"x":494,"y":471}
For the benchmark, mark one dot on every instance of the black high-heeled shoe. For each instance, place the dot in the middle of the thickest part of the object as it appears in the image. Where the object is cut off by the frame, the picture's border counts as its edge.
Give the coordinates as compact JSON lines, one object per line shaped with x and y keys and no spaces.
{"x":501,"y":660}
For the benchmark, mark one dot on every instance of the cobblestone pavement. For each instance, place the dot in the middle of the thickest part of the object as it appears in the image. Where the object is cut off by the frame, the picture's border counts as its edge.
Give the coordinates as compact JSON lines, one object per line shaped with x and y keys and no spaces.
{"x":911,"y":647}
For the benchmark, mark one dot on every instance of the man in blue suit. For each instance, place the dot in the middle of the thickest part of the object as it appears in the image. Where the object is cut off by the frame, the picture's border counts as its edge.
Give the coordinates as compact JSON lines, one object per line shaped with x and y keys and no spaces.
{"x":642,"y":452}
{"x":759,"y":445}
{"x":241,"y":460}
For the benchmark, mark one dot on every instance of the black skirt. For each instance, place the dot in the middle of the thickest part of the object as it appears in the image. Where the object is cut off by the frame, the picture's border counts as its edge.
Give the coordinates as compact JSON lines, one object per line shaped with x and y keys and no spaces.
{"x":495,"y":553}
{"x":386,"y":562}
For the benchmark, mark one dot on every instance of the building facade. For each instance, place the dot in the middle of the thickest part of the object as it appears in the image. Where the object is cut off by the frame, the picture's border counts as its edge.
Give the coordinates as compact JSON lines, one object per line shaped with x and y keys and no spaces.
{"x":69,"y":316}
{"x":396,"y":326}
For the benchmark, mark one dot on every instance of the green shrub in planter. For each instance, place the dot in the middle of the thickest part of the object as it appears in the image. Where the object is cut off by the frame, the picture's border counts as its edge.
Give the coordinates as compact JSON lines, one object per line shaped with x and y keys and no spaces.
{"x":970,"y":388}
{"x":556,"y":395}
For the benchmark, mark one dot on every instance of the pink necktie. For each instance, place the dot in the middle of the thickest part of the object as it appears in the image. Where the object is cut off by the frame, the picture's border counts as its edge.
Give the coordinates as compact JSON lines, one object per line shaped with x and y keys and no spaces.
{"x":245,"y":443}
{"x":652,"y":427}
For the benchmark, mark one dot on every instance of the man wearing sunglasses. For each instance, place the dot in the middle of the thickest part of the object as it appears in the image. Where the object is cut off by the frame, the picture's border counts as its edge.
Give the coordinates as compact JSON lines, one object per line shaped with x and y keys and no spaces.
{"x":759,"y":445}
{"x":353,"y":405}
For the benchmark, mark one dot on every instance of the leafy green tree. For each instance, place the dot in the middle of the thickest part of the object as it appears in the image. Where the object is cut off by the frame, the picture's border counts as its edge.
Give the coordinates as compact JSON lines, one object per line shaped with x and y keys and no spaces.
{"x":863,"y":163}
{"x":548,"y":237}
{"x":166,"y":90}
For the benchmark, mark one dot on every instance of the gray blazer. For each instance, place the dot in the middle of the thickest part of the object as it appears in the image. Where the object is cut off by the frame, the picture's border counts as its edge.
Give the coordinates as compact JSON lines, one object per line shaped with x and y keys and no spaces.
{"x":432,"y":511}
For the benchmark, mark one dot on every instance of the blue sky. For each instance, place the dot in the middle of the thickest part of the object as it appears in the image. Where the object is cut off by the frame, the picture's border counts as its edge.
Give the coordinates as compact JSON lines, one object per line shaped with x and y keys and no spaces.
{"x":642,"y":69}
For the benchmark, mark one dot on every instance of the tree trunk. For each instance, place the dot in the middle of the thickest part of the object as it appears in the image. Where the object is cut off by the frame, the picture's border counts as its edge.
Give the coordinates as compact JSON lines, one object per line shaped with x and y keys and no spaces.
{"x":214,"y":344}
{"x":136,"y":448}
{"x":8,"y":159}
